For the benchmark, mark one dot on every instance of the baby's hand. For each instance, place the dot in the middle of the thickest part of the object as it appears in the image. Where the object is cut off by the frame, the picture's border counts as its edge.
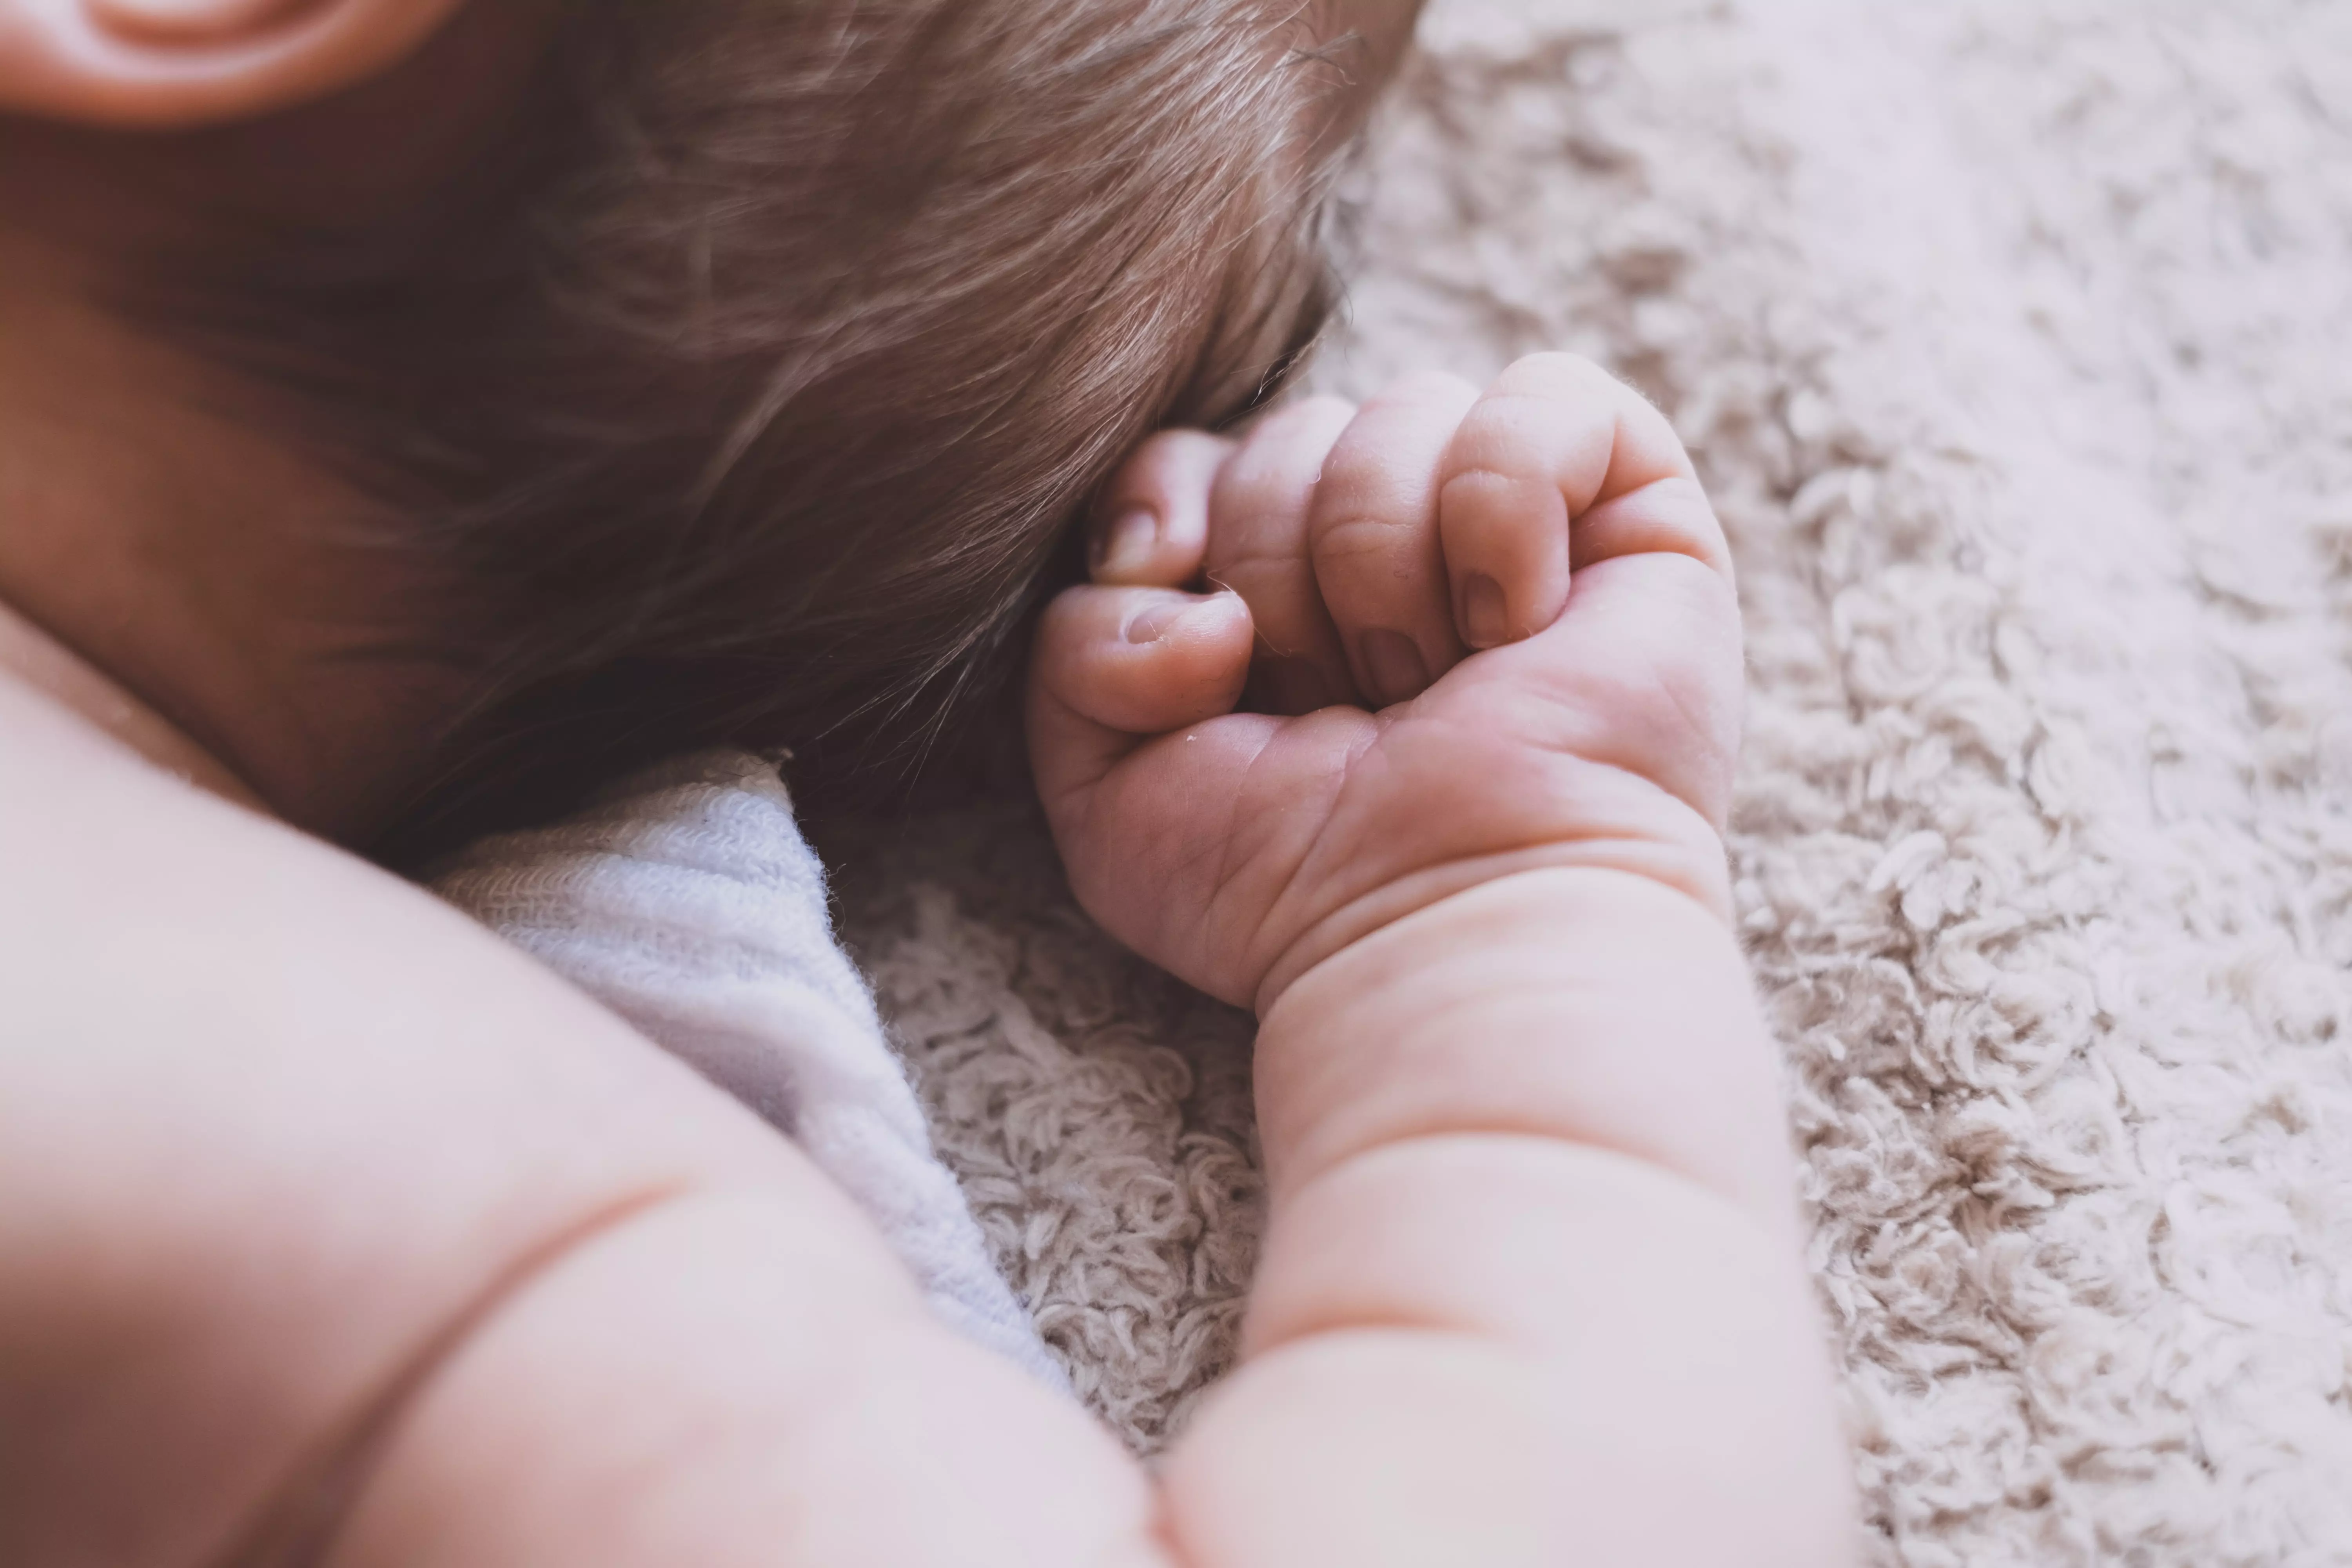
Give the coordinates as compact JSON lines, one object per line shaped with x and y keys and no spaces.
{"x":1439,"y":787}
{"x":1469,"y":635}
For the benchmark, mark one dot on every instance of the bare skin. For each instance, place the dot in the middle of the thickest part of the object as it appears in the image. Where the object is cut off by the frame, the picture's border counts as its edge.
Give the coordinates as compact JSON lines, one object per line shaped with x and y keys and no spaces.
{"x":336,"y":1231}
{"x":1529,"y":1291}
{"x":303,"y":1253}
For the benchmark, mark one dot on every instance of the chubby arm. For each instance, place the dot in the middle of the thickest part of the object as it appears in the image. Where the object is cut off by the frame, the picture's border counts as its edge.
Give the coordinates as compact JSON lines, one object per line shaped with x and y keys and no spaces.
{"x":1438,"y":786}
{"x":1531,"y":1279}
{"x":333,"y":1230}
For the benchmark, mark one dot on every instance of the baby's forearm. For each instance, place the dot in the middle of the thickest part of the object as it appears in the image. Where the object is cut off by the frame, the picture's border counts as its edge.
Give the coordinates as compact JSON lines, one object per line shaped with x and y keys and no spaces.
{"x":1532,"y":1258}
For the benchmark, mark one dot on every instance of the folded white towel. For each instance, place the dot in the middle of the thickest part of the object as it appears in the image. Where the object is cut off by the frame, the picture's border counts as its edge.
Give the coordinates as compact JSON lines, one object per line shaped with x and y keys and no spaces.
{"x":686,"y":900}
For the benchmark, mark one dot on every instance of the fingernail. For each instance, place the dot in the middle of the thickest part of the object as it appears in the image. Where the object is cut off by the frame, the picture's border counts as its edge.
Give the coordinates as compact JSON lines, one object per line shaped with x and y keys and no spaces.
{"x":1150,"y":622}
{"x":1484,"y":618}
{"x":1126,"y":547}
{"x":1394,"y":665}
{"x":1297,"y":686}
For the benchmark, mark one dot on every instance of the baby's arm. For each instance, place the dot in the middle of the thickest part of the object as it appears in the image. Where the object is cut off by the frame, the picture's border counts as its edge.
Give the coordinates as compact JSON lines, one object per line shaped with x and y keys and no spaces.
{"x":333,"y":1230}
{"x":1530,"y":1294}
{"x":1531,"y":1290}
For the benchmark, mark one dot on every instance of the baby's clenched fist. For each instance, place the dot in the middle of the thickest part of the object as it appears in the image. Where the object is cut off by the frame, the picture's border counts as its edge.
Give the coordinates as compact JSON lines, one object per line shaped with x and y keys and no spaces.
{"x":1365,"y":658}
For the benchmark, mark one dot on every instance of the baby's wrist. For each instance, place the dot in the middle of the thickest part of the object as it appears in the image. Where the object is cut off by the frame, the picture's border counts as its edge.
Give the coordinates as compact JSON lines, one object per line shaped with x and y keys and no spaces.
{"x":1684,"y":859}
{"x":1588,"y":1003}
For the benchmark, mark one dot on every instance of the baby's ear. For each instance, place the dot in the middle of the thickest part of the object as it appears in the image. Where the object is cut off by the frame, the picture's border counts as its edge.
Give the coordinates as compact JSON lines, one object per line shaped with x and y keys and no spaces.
{"x":172,"y":64}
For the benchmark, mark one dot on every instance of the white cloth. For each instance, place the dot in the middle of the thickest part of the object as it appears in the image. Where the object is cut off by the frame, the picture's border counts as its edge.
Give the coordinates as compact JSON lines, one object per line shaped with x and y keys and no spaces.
{"x":686,"y":900}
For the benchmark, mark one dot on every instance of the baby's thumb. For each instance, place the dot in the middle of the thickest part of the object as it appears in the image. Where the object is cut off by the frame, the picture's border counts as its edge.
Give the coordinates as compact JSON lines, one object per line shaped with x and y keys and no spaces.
{"x":1114,"y":667}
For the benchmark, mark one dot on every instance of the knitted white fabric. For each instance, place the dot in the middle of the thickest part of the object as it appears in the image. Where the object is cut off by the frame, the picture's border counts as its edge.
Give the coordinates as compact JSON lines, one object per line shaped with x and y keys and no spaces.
{"x":686,"y":900}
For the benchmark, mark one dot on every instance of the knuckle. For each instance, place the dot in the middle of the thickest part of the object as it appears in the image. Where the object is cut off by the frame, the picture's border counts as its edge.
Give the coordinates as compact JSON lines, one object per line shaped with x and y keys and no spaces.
{"x":1416,"y":390}
{"x":1291,"y":427}
{"x":1370,"y":557}
{"x":1368,"y":475}
{"x":1488,"y":500}
{"x":1558,"y":371}
{"x":1481,"y":477}
{"x":1531,"y":434}
{"x":1366,"y":534}
{"x":1319,"y":406}
{"x":1169,"y":461}
{"x":1529,"y":414}
{"x":1274,"y":467}
{"x":1256,"y":514}
{"x":1140,"y":465}
{"x":1265,"y":471}
{"x":1189,"y":442}
{"x":1381,"y":474}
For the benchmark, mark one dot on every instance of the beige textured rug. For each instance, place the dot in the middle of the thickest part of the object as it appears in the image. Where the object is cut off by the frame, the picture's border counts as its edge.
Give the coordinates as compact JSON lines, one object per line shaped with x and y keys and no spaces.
{"x":2015,"y":342}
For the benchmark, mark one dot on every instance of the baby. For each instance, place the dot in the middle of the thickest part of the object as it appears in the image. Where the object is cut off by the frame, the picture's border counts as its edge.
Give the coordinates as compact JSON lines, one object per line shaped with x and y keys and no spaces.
{"x":337,"y":1231}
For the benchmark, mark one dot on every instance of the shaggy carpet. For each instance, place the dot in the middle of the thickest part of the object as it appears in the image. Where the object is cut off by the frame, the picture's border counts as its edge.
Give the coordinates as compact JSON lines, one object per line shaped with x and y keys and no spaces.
{"x":2012,"y":341}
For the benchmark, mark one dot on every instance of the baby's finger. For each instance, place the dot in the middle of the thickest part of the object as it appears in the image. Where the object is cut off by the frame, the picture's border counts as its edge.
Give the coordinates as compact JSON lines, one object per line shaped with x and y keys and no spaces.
{"x":1373,"y":534}
{"x":1552,"y":438}
{"x":1152,"y":524}
{"x":1113,"y":666}
{"x":1666,"y":517}
{"x":1257,"y":547}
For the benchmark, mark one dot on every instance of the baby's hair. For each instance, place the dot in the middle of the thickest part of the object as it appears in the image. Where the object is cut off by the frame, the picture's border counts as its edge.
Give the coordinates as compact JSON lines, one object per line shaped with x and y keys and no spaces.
{"x":749,"y":398}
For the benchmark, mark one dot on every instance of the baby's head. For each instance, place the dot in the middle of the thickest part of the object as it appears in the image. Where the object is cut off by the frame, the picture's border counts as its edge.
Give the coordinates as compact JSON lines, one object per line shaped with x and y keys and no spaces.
{"x":713,"y":368}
